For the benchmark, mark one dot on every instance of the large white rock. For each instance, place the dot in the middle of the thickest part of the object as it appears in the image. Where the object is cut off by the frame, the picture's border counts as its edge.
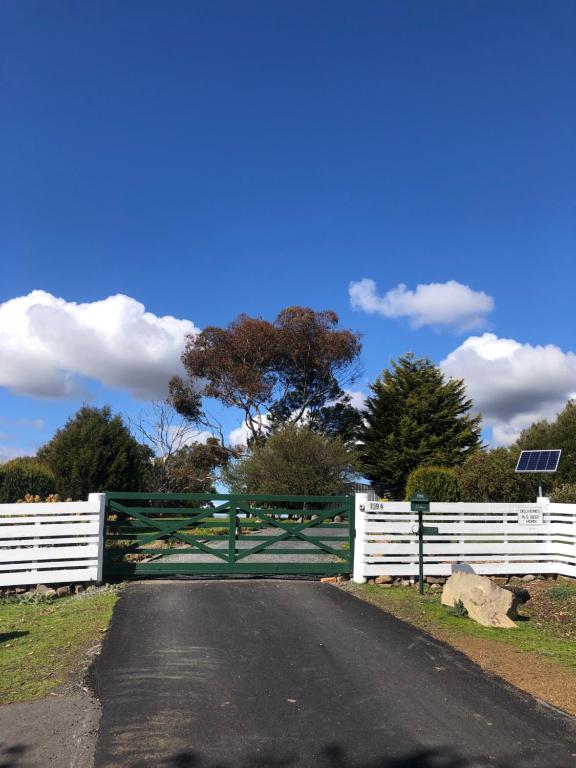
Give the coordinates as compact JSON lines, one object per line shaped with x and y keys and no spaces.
{"x":485,"y":601}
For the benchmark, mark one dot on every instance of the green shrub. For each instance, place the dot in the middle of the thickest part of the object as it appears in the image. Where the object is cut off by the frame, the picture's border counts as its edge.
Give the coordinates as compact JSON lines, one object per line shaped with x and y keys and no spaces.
{"x":564,"y":494}
{"x":488,"y":476}
{"x":22,"y":476}
{"x":458,"y":609}
{"x":438,"y":483}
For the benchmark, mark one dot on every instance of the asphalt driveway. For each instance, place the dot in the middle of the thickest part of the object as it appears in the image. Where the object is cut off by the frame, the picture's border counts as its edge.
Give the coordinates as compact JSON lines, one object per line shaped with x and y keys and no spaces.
{"x":281,"y":674}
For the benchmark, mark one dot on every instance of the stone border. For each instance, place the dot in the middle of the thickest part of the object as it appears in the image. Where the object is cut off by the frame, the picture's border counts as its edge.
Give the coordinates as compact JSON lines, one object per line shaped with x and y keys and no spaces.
{"x":437,"y":582}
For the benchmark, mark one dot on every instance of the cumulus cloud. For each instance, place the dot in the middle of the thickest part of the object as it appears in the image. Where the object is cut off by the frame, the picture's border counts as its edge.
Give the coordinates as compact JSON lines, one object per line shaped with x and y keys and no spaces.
{"x":182,"y":437}
{"x":240,"y":435}
{"x":513,"y":384}
{"x":441,"y":305}
{"x":357,"y":398}
{"x":48,"y":343}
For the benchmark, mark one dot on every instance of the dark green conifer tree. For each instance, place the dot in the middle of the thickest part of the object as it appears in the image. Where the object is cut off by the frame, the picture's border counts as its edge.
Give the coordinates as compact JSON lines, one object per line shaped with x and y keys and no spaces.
{"x":95,"y":451}
{"x":415,"y":418}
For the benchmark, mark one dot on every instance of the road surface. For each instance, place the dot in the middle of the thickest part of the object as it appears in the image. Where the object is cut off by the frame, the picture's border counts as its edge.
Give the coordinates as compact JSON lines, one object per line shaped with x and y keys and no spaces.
{"x":281,"y":674}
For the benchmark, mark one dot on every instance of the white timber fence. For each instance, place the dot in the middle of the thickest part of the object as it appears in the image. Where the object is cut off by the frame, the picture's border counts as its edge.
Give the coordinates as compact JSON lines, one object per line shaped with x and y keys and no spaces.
{"x":48,"y":543}
{"x":510,"y":539}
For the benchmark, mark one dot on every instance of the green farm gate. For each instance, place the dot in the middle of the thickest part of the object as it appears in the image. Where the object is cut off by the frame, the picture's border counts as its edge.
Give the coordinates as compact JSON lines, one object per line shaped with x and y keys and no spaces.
{"x":156,"y":534}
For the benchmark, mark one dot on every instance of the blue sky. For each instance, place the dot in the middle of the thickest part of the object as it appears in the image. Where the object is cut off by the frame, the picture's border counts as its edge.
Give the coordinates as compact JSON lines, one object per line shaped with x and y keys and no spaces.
{"x":207,"y":159}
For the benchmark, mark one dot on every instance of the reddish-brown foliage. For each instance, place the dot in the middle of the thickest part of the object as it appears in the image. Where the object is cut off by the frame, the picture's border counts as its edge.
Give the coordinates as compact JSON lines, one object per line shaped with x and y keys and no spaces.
{"x":287,"y":367}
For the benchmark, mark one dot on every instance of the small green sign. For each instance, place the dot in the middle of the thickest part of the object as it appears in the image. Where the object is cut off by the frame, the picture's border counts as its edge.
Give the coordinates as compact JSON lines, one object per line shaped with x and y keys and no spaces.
{"x":420,"y":502}
{"x":429,"y":531}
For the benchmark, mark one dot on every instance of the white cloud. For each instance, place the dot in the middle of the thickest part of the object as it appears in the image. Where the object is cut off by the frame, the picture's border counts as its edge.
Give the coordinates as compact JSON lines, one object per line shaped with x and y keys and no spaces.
{"x":240,"y":435}
{"x":47,"y":343}
{"x":513,"y":384}
{"x":182,"y":436}
{"x":357,"y":398}
{"x":449,"y":305}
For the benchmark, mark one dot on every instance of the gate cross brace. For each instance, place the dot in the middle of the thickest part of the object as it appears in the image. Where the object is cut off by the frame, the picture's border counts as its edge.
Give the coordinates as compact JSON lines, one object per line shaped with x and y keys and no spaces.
{"x":293,"y":531}
{"x":165,"y":529}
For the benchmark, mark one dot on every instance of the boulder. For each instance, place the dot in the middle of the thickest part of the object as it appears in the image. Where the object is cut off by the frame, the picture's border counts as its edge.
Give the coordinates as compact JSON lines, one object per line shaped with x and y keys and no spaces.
{"x":485,"y":601}
{"x":521,"y":593}
{"x":462,"y":568}
{"x":383,"y":580}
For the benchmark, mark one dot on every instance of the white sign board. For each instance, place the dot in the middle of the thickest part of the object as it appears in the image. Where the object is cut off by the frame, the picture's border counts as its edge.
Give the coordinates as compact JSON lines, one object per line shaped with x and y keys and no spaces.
{"x":530,"y":516}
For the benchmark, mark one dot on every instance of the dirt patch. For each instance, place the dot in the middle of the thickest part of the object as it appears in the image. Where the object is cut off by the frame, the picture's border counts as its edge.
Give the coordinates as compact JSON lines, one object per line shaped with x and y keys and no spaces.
{"x":547,"y":681}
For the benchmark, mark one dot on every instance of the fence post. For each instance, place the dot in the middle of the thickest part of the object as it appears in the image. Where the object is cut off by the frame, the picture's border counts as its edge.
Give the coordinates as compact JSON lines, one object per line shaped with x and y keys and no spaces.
{"x":360,"y":501}
{"x":99,"y":501}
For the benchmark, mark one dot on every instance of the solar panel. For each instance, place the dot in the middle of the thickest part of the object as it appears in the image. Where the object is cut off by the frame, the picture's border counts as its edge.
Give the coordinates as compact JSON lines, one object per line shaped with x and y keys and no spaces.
{"x":538,"y":461}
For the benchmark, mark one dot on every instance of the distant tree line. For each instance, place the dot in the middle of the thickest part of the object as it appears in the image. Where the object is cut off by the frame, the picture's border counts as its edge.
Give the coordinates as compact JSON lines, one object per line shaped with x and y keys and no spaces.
{"x":289,"y":379}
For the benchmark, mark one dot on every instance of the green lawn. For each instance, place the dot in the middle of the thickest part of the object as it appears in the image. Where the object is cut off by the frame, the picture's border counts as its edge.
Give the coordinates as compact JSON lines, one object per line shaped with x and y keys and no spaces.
{"x":43,"y":645}
{"x":428,"y":613}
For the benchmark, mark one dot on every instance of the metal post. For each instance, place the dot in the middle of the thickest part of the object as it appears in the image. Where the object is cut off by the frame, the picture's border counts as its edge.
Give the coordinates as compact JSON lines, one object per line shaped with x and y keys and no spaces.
{"x":420,"y":552}
{"x":420,"y":503}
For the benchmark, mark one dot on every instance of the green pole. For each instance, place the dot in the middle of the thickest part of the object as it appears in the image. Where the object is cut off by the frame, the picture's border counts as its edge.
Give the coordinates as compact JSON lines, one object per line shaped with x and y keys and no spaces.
{"x":420,"y":503}
{"x":420,"y":552}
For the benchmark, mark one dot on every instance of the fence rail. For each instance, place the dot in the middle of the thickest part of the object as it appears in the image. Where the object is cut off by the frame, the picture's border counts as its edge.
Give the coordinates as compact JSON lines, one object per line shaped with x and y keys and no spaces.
{"x":51,"y":543}
{"x":64,"y":542}
{"x":490,"y":537}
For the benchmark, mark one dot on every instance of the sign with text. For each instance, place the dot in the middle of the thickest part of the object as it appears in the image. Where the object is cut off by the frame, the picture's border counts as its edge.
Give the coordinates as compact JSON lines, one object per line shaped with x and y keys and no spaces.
{"x":376,"y":506}
{"x":530,"y":516}
{"x":420,"y":503}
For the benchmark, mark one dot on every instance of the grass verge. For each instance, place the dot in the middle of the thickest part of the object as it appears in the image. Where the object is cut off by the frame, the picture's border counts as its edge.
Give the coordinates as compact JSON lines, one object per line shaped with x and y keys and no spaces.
{"x":46,"y":644}
{"x":427,"y":612}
